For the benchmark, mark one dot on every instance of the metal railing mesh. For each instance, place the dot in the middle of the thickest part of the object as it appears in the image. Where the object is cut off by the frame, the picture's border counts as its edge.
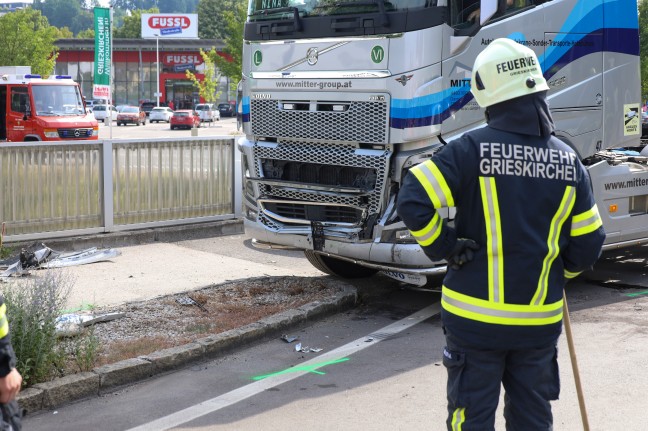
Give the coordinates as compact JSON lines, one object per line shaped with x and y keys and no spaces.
{"x":157,"y":181}
{"x":60,"y":186}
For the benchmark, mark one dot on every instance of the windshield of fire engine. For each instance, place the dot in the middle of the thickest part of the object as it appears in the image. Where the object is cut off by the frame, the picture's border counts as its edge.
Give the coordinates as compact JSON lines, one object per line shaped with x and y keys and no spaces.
{"x":259,"y":10}
{"x":56,"y":100}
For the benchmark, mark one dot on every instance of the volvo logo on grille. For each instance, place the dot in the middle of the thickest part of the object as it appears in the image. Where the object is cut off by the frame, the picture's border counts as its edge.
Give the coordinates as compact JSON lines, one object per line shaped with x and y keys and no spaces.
{"x":77,"y":133}
{"x":261,"y":95}
{"x":312,"y":56}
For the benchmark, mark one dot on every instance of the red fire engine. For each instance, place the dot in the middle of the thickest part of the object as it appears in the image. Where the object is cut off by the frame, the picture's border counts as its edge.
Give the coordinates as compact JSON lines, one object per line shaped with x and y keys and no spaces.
{"x":36,"y":109}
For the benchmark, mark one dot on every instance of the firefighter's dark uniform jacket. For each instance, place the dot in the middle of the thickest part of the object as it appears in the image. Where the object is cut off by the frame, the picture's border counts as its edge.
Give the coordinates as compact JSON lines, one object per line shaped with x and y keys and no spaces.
{"x":525,"y":198}
{"x":7,"y":355}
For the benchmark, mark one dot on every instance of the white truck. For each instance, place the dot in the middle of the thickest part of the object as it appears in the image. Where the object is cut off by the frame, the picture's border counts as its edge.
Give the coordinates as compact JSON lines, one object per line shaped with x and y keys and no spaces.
{"x":339,"y":98}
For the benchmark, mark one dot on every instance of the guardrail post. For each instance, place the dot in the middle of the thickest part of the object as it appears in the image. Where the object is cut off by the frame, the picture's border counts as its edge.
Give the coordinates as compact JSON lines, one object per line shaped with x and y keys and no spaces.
{"x":107,"y":178}
{"x":237,"y":181}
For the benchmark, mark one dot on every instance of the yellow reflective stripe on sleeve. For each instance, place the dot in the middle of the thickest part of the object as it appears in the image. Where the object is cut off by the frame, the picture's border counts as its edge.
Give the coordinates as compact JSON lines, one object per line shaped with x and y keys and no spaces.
{"x":458,"y":418}
{"x":4,"y":323}
{"x":434,"y":184}
{"x":429,"y":233}
{"x":586,"y":222}
{"x":553,"y":249}
{"x":498,"y":313}
{"x":570,"y":275}
{"x":494,"y":249}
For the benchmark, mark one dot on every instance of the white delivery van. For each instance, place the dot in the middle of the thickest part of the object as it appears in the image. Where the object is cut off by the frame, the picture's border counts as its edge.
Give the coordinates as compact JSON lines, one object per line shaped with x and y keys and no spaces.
{"x":207,"y":112}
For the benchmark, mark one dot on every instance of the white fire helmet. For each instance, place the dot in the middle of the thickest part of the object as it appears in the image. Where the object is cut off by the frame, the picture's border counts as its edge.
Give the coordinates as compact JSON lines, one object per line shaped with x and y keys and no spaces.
{"x":505,"y":70}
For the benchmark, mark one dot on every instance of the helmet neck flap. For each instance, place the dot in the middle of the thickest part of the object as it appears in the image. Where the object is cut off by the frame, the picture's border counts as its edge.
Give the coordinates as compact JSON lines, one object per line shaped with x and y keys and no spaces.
{"x":528,"y":115}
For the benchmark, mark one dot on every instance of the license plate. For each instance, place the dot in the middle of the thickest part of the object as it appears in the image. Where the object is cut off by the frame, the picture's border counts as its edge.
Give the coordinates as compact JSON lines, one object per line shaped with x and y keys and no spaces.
{"x":415,"y":279}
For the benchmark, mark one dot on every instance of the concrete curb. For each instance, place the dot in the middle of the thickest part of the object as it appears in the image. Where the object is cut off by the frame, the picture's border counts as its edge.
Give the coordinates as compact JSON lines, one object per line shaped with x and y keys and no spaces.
{"x":107,"y":378}
{"x":140,"y":236}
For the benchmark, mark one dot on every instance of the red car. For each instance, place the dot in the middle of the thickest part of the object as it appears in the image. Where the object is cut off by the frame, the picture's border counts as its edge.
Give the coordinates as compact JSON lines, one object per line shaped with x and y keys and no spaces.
{"x":185,"y":118}
{"x":131,"y":115}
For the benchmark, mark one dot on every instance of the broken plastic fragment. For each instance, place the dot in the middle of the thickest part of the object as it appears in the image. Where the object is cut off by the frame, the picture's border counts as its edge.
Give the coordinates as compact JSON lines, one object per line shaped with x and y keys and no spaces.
{"x":298,"y":347}
{"x":288,"y":339}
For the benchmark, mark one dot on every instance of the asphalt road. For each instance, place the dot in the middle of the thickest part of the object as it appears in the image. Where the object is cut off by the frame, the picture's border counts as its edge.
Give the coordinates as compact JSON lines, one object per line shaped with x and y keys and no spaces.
{"x":380,"y":368}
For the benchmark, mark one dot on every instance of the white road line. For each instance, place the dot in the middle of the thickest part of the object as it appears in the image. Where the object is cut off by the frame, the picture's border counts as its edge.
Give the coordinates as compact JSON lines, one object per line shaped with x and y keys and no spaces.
{"x":242,"y":393}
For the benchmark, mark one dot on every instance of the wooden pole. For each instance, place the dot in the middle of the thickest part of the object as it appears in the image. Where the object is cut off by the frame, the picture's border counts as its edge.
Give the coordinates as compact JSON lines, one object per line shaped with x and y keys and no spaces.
{"x":574,"y":362}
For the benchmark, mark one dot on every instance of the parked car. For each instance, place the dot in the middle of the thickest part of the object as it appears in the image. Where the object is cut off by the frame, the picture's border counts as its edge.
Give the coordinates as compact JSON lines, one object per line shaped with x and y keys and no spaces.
{"x":225,"y":110}
{"x":104,"y":113}
{"x":185,"y":118}
{"x":162,"y":113}
{"x":207,"y":112}
{"x":131,"y":115}
{"x":148,"y":106}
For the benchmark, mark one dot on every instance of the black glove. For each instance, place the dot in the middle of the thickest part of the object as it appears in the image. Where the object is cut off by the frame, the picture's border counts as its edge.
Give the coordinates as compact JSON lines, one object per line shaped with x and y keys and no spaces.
{"x":461,"y":253}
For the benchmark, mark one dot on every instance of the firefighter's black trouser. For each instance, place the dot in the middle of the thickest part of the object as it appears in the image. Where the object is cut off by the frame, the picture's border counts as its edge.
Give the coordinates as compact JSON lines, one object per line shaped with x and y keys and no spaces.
{"x":530,"y":379}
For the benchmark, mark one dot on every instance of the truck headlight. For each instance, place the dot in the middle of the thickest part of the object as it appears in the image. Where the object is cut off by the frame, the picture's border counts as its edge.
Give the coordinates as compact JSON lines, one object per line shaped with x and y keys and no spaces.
{"x":50,"y":133}
{"x":95,"y":131}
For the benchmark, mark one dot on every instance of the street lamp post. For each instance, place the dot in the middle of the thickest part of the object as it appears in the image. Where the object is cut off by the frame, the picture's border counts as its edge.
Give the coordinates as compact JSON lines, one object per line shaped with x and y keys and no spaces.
{"x":157,"y":63}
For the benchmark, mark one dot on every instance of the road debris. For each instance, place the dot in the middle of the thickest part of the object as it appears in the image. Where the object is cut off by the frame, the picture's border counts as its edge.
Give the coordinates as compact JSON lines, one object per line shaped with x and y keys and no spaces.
{"x":289,"y":339}
{"x":188,"y":300}
{"x":299,"y":348}
{"x":71,"y":324}
{"x":38,"y":256}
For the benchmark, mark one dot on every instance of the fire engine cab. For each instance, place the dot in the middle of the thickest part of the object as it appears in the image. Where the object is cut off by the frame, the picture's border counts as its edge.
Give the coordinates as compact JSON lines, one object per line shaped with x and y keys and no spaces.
{"x":33,"y":108}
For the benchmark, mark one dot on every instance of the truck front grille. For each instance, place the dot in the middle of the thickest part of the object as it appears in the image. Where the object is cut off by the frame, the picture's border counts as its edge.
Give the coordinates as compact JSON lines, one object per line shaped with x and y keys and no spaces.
{"x":74,"y":133}
{"x":364,"y":122}
{"x":337,"y":165}
{"x":294,"y":211}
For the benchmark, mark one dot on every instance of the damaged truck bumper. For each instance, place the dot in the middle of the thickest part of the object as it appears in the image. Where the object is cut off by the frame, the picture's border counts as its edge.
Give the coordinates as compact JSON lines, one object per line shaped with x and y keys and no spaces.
{"x":387,"y":257}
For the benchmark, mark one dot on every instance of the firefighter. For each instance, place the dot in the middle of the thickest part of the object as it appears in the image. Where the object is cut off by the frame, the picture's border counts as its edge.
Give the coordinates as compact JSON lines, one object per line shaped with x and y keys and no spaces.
{"x":526,"y":223}
{"x":10,"y":378}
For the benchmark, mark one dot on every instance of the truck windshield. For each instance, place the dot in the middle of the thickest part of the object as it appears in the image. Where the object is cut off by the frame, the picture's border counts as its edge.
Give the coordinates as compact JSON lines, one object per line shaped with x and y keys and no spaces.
{"x":56,"y":100}
{"x":259,"y":10}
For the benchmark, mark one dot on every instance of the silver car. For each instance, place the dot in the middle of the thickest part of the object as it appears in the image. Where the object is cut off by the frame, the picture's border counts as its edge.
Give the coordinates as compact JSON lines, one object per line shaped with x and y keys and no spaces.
{"x":104,"y":112}
{"x":161,"y":113}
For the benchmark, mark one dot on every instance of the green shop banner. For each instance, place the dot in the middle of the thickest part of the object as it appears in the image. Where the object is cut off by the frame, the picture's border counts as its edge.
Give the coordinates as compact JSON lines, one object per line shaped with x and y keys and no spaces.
{"x":103,"y":54}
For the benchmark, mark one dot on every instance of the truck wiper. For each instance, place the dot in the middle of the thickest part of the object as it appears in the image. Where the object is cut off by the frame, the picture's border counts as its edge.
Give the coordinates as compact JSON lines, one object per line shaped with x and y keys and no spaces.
{"x":292,"y":9}
{"x":379,"y":3}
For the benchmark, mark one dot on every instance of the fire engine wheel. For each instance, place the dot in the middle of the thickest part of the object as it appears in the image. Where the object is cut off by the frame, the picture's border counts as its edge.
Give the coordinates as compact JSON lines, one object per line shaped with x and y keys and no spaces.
{"x":338,"y":267}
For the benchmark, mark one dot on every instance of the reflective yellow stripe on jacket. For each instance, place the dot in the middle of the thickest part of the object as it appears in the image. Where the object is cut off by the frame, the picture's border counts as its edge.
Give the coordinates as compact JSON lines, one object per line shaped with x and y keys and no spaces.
{"x":499,"y":313}
{"x":4,"y":323}
{"x":440,"y":195}
{"x":586,"y":222}
{"x":553,"y":248}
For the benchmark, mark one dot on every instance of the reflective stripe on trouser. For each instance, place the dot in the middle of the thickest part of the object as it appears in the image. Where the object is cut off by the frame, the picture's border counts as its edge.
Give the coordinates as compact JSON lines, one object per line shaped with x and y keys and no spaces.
{"x":530,"y":379}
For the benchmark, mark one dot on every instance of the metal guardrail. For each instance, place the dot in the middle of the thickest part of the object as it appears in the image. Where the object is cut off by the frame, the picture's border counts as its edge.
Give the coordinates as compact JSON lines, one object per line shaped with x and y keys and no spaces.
{"x":53,"y":190}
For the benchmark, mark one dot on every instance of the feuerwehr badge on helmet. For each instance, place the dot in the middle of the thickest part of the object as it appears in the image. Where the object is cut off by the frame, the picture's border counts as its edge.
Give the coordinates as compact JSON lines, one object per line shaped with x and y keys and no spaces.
{"x":505,"y":70}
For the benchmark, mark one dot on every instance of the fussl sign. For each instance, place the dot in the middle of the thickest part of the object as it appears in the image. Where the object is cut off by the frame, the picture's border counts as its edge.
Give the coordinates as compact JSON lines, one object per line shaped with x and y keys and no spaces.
{"x":169,"y":25}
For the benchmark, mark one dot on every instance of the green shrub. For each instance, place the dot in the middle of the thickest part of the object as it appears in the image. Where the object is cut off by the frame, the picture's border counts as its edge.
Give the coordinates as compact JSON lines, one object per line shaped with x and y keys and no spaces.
{"x":81,"y":351}
{"x":32,"y":308}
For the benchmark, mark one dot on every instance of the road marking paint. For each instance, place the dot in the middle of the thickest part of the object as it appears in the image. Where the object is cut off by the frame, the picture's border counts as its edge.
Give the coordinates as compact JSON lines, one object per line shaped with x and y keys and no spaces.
{"x":632,"y":295}
{"x":244,"y":392}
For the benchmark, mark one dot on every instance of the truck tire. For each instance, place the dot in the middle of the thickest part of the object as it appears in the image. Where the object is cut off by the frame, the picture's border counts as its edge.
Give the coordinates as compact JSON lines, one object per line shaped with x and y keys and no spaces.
{"x":341,"y":268}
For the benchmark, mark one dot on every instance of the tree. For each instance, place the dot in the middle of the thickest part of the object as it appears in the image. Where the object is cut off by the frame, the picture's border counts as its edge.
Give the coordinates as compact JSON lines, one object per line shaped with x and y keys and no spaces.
{"x":66,"y":13}
{"x":643,"y":47}
{"x":230,"y":63}
{"x":27,"y":39}
{"x":132,"y":27}
{"x":211,"y":16}
{"x":206,"y":87}
{"x":134,"y":4}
